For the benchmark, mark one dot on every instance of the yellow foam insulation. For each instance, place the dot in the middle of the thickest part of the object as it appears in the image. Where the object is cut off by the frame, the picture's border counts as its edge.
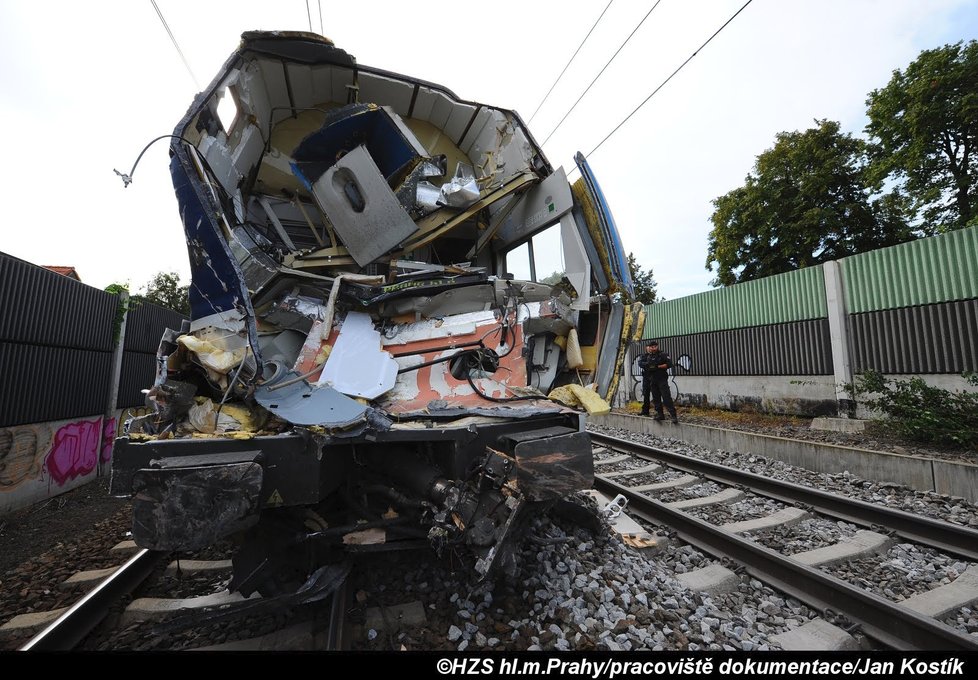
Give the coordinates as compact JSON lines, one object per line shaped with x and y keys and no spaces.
{"x":576,"y":396}
{"x":232,"y":418}
{"x":211,"y":356}
{"x":581,"y":195}
{"x":574,"y":357}
{"x":589,"y":355}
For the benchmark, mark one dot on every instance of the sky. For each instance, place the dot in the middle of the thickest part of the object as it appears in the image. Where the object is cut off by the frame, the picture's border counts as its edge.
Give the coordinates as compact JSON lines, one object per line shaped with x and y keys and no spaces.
{"x":85,"y":86}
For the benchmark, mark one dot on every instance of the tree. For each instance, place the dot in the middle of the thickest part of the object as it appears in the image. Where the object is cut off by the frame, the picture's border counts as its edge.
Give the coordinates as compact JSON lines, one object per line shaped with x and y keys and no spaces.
{"x":924,"y":129}
{"x":645,"y":285}
{"x":807,"y":201}
{"x":165,"y":290}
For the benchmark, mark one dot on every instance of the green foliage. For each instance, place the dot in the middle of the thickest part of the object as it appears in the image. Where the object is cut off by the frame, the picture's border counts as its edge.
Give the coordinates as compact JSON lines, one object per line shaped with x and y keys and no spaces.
{"x":921,"y":412}
{"x":165,"y":290}
{"x":125,"y":304}
{"x":924,"y":129}
{"x":553,"y":278}
{"x":807,"y":201}
{"x":645,"y":285}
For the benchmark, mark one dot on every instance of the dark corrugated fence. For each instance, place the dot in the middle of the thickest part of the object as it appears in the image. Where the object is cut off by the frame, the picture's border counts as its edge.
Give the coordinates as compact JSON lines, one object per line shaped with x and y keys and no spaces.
{"x":144,"y":328}
{"x":57,"y":343}
{"x":800,"y":348}
{"x":939,"y":338}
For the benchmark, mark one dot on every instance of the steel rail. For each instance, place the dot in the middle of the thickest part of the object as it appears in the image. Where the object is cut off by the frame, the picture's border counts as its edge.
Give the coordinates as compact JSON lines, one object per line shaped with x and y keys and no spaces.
{"x":887,"y":622}
{"x":81,"y":618}
{"x":943,"y":536}
{"x":336,"y":640}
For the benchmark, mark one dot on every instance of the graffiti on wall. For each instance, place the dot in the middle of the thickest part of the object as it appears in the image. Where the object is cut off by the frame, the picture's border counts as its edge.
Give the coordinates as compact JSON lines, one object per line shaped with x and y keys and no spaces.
{"x":32,"y":453}
{"x":74,"y":450}
{"x":18,"y":455}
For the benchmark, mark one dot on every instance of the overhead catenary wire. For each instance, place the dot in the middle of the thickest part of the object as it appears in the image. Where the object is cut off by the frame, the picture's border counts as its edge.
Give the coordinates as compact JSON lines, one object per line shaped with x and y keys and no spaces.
{"x":573,"y":56}
{"x":309,"y":16}
{"x":319,"y":3}
{"x":603,"y":68}
{"x":175,"y":44}
{"x":663,"y":83}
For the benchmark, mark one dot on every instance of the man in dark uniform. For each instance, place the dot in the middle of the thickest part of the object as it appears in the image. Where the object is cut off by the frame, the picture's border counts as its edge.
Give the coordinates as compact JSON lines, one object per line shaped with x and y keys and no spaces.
{"x":655,"y":379}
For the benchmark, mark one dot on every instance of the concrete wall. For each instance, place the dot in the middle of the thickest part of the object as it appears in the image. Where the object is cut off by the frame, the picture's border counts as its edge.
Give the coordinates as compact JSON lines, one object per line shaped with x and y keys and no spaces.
{"x":923,"y":474}
{"x":42,"y":460}
{"x":805,"y":395}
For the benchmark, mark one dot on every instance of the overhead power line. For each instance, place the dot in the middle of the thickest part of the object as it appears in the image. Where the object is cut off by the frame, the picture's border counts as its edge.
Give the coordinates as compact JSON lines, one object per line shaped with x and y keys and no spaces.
{"x":175,"y":44}
{"x":309,"y":16}
{"x":543,"y":101}
{"x":662,"y":84}
{"x":319,"y":3}
{"x":587,"y":89}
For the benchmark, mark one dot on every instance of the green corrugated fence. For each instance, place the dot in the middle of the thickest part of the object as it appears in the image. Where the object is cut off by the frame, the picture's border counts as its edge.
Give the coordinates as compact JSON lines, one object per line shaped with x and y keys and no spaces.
{"x":931,"y":270}
{"x":794,"y":296}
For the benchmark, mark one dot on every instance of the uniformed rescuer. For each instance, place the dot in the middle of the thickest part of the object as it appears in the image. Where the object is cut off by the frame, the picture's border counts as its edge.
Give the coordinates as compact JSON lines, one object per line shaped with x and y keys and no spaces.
{"x":655,"y":367}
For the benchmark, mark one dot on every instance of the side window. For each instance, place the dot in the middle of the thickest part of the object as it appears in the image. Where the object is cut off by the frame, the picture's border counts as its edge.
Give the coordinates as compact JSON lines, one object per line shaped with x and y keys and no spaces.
{"x":539,"y":259}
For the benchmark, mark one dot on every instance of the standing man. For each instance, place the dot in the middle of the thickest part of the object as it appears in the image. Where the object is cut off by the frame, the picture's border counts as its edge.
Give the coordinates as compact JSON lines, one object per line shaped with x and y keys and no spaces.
{"x":655,"y":379}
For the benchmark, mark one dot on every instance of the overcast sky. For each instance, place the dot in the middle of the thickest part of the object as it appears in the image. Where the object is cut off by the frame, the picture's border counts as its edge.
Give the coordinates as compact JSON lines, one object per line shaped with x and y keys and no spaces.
{"x":87,"y":85}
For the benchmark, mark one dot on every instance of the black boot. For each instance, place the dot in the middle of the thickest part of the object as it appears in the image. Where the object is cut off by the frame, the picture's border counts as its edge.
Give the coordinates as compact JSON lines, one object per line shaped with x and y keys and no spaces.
{"x":675,"y":420}
{"x":659,"y":416}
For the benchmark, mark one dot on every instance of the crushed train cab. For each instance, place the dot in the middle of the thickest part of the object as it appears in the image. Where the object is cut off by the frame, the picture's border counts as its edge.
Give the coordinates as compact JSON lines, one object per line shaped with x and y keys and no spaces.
{"x":361,"y":372}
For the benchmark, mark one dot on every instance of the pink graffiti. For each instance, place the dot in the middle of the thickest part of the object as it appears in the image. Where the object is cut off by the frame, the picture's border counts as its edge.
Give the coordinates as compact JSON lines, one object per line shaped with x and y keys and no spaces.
{"x":74,"y":450}
{"x":108,"y":439}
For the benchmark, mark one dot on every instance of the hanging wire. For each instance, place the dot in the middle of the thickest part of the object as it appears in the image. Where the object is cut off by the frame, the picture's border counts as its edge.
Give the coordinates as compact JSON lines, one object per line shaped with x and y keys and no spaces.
{"x":588,"y":88}
{"x":569,"y":62}
{"x":320,"y":4}
{"x":309,"y":16}
{"x":662,"y":84}
{"x":175,"y":44}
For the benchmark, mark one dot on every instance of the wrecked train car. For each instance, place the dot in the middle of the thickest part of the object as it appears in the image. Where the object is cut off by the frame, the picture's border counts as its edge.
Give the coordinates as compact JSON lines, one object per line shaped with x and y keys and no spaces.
{"x":361,"y":372}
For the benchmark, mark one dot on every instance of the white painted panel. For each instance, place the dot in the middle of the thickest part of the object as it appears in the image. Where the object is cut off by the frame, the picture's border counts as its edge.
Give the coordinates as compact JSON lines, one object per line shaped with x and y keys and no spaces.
{"x":482,"y":130}
{"x":576,"y":263}
{"x":440,"y":111}
{"x":278,"y":95}
{"x":424,"y":104}
{"x":253,"y":84}
{"x":392,"y":93}
{"x":322,"y":85}
{"x":459,"y":117}
{"x":300,"y":77}
{"x":357,"y":366}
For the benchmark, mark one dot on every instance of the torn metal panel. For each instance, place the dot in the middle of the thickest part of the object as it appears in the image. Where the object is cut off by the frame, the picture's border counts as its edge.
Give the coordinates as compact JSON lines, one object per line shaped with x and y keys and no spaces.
{"x":361,"y":207}
{"x":356,"y":365}
{"x":300,"y":403}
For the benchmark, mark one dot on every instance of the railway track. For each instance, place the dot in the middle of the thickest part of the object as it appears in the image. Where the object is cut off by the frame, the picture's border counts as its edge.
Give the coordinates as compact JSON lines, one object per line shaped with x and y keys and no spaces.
{"x":109,"y":617}
{"x":891,"y":624}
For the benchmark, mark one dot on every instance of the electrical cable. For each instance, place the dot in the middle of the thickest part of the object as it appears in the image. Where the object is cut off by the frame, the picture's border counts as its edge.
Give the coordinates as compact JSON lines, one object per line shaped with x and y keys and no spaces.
{"x":127,"y":178}
{"x":662,"y":84}
{"x":587,"y":89}
{"x":309,"y":16}
{"x":537,"y":110}
{"x":174,"y":41}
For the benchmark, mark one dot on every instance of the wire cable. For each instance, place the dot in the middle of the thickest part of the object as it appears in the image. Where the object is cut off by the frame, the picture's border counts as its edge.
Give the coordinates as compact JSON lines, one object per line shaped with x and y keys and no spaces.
{"x":569,"y":62}
{"x":588,"y":88}
{"x":319,"y":3}
{"x":175,"y":44}
{"x":309,"y":16}
{"x":662,"y":84}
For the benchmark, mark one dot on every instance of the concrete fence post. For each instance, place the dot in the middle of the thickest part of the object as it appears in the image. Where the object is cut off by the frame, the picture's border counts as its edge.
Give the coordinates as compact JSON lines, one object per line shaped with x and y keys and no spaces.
{"x":835,"y":300}
{"x":109,"y":426}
